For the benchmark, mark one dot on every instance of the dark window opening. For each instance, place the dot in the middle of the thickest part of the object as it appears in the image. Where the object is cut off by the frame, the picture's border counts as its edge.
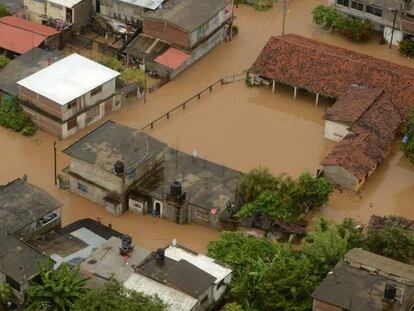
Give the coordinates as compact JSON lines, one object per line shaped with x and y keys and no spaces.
{"x":72,"y":104}
{"x":96,"y":91}
{"x":343,"y":2}
{"x":357,"y":5}
{"x":374,"y":10}
{"x":72,"y":124}
{"x":13,"y":283}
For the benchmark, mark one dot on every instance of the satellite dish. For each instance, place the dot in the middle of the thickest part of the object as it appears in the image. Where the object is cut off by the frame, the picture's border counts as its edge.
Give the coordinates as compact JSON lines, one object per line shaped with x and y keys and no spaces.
{"x":174,"y":242}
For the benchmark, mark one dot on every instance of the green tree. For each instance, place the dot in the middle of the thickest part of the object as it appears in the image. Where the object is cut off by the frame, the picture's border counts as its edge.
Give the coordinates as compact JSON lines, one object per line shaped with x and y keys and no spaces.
{"x":114,"y":296}
{"x":327,"y":17}
{"x":250,"y":258}
{"x":4,"y":11}
{"x":393,"y":241}
{"x":255,"y":182}
{"x":313,"y":191}
{"x":272,"y":205}
{"x":5,"y":294}
{"x":352,"y":231}
{"x":57,"y":290}
{"x":325,"y":246}
{"x":134,"y":75}
{"x":288,"y":282}
{"x":112,"y":62}
{"x":406,"y":47}
{"x":356,"y":29}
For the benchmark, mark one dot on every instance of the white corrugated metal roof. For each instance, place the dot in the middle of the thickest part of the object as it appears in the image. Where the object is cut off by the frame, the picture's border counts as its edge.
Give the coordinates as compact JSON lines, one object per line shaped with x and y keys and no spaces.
{"x":68,"y":79}
{"x":66,"y":3}
{"x":175,"y":300}
{"x":148,"y":4}
{"x":202,"y":262}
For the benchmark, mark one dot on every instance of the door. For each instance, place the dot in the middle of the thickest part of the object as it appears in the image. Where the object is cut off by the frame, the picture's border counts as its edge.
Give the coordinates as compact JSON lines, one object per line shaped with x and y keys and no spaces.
{"x":157,"y":209}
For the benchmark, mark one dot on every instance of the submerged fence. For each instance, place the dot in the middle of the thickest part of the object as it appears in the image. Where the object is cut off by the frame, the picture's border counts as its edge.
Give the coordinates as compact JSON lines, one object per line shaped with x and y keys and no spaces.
{"x":226,"y":80}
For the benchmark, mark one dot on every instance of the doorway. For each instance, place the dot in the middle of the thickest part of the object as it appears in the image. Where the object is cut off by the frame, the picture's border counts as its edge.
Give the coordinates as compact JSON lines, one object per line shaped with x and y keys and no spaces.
{"x":98,"y":6}
{"x":157,"y":209}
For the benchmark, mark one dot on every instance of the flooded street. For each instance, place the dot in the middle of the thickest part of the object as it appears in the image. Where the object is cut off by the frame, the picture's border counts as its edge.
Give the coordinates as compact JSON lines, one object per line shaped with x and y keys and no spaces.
{"x":237,"y":126}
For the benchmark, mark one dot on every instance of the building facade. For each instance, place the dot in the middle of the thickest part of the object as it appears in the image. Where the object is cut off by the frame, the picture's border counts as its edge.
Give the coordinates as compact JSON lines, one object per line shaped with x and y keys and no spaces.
{"x":76,"y":13}
{"x":393,"y":18}
{"x":108,"y":162}
{"x":69,"y":95}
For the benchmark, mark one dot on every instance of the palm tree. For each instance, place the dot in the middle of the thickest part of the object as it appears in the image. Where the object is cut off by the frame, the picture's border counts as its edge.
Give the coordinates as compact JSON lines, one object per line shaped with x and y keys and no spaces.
{"x":57,"y":290}
{"x":255,"y":182}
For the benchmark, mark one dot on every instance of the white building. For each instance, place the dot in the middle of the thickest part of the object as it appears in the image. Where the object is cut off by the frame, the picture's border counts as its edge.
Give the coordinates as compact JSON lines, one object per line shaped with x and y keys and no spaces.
{"x":70,"y":12}
{"x":69,"y":95}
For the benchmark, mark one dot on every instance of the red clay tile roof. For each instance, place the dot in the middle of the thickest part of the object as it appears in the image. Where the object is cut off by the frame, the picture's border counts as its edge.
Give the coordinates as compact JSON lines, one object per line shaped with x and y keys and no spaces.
{"x":172,"y":58}
{"x":352,"y":104}
{"x":330,"y":71}
{"x":20,"y":36}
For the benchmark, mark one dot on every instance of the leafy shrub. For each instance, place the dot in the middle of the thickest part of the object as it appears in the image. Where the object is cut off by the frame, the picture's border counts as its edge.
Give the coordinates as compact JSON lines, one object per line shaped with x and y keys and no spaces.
{"x":408,"y":141}
{"x":128,"y":74}
{"x":329,"y":18}
{"x":356,"y":29}
{"x":4,"y":61}
{"x":4,"y":11}
{"x":13,"y":117}
{"x":407,"y":48}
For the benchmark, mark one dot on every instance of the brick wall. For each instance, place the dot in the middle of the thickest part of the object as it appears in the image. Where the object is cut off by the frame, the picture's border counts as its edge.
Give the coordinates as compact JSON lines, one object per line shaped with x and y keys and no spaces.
{"x":166,"y":32}
{"x":323,"y":306}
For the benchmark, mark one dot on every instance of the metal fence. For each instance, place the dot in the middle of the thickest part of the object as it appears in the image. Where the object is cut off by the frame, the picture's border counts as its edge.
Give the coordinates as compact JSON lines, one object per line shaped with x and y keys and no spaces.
{"x":226,"y":80}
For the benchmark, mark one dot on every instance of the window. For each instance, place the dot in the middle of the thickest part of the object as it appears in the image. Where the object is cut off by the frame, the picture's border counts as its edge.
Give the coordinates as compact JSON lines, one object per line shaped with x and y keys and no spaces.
{"x":82,"y":188}
{"x":40,"y":1}
{"x":72,"y":104}
{"x":205,"y":299}
{"x":13,"y":284}
{"x":357,"y":5}
{"x":203,"y":214}
{"x":72,"y":124}
{"x":374,"y":10}
{"x":343,"y":2}
{"x":96,"y":91}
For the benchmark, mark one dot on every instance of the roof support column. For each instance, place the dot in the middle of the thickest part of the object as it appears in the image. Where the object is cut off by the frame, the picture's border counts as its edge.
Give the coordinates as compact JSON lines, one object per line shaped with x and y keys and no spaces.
{"x":317,"y":100}
{"x":295,"y":92}
{"x":274,"y":86}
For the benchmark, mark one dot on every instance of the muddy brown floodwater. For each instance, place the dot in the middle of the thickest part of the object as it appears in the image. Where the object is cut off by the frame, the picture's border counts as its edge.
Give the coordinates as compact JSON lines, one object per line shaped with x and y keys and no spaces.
{"x":237,"y":126}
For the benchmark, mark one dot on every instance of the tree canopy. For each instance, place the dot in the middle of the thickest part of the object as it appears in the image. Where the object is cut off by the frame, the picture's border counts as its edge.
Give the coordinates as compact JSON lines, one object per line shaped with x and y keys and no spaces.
{"x":114,"y":296}
{"x":4,"y":11}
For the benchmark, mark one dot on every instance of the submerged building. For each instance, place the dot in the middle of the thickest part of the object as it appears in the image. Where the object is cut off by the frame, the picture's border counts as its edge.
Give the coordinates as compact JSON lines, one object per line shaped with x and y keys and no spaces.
{"x":124,"y":169}
{"x":178,"y":33}
{"x":373,"y":98}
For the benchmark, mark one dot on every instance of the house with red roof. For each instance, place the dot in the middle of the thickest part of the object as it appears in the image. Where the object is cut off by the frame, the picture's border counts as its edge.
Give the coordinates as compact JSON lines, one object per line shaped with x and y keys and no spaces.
{"x":373,"y":98}
{"x":178,"y":33}
{"x":18,"y":36}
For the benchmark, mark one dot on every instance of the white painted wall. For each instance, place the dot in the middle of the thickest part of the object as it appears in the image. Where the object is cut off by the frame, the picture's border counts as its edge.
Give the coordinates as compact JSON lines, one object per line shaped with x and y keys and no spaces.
{"x":398,"y":35}
{"x":336,"y":131}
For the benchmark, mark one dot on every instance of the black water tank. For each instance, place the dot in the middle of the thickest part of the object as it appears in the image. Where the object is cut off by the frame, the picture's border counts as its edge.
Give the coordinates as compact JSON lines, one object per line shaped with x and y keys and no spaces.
{"x":390,"y":291}
{"x":160,"y":256}
{"x":119,"y":167}
{"x":126,"y":242}
{"x":176,"y":189}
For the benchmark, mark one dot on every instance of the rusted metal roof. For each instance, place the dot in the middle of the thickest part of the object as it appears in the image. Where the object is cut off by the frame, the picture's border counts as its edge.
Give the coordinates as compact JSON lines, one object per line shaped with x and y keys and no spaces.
{"x":172,"y":58}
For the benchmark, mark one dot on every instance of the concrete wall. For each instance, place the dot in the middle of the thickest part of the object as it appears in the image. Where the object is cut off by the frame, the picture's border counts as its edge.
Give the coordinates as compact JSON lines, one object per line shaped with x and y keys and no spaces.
{"x":119,"y":10}
{"x":44,"y":123}
{"x":323,"y":306}
{"x":35,"y":9}
{"x":207,"y":29}
{"x":201,"y":50}
{"x":82,"y":14}
{"x":340,"y":176}
{"x":219,"y":292}
{"x":336,"y":131}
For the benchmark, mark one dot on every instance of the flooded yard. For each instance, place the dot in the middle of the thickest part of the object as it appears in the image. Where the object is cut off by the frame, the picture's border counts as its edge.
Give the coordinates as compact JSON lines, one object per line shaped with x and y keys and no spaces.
{"x":237,"y":126}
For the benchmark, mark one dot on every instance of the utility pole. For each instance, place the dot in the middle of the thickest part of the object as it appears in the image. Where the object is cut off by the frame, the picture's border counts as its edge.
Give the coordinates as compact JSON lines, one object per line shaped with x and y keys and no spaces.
{"x":284,"y":16}
{"x":55,"y":161}
{"x":393,"y":27}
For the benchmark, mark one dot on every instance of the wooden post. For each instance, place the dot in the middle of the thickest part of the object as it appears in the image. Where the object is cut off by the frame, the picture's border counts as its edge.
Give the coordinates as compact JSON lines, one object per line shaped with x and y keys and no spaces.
{"x":317,"y":99}
{"x":295,"y":92}
{"x":55,"y":161}
{"x":274,"y":86}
